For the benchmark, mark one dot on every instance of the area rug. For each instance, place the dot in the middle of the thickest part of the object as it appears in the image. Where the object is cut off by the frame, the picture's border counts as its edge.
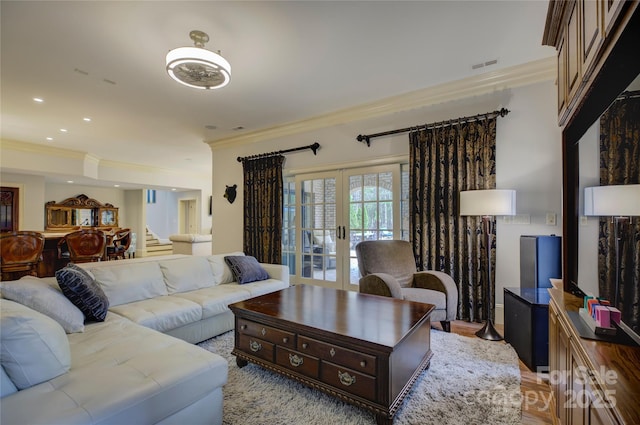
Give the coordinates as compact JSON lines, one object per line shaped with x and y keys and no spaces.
{"x":470,"y":381}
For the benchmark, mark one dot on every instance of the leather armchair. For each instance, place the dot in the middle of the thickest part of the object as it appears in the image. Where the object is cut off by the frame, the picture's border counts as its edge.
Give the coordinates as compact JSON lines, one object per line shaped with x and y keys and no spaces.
{"x":388,"y":268}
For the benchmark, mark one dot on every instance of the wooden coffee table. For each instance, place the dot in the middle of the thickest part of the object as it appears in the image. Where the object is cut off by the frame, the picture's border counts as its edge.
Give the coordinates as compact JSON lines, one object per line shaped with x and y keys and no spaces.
{"x":364,"y":349}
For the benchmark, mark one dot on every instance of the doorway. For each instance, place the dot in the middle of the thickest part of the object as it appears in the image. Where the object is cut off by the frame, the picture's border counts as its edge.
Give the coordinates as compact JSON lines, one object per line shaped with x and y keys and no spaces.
{"x":187,"y":216}
{"x":327,"y":214}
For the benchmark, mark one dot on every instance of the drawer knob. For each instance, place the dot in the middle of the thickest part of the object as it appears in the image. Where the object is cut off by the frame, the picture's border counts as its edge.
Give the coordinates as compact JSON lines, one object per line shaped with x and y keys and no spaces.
{"x":295,"y":360}
{"x":243,"y":327}
{"x":363,"y":363}
{"x":285,"y":339}
{"x":332,"y":352}
{"x":263,"y":332}
{"x":305,"y":345}
{"x":346,"y":379}
{"x":255,"y":346}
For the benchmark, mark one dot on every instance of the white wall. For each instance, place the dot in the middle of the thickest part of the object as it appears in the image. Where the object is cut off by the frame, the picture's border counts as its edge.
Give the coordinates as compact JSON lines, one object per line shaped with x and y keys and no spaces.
{"x":31,"y":199}
{"x":528,"y":160}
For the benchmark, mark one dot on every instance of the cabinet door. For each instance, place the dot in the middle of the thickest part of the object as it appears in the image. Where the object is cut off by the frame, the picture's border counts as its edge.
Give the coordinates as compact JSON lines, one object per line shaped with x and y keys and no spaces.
{"x":562,"y":79}
{"x":553,"y":357}
{"x":592,"y":34}
{"x":577,"y":393}
{"x":573,"y":53}
{"x":563,"y":374}
{"x":611,"y":11}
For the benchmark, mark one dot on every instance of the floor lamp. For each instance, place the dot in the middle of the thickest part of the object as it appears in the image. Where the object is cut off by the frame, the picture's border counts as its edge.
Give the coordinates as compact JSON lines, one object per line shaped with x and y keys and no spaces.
{"x":620,"y":202}
{"x":488,"y":203}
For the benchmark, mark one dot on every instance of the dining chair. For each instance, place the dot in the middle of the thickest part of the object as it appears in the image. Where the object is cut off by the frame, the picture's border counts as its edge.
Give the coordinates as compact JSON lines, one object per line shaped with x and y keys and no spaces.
{"x":119,"y":245}
{"x":86,"y":245}
{"x":20,"y":253}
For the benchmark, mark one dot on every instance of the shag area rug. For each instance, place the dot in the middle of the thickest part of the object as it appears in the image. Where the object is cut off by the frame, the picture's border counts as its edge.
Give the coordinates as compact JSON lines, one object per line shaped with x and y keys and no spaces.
{"x":470,"y":381}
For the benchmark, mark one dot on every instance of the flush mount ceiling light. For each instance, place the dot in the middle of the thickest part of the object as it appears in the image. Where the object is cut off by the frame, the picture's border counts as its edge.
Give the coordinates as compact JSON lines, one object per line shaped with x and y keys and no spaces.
{"x":198,"y":67}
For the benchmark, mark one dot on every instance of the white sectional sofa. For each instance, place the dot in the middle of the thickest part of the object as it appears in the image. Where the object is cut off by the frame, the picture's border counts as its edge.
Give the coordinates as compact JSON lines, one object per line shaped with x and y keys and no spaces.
{"x":139,"y":366}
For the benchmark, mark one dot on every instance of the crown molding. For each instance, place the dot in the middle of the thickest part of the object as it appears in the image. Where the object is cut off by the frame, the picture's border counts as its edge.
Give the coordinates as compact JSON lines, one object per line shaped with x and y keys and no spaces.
{"x":91,"y":159}
{"x":511,"y":77}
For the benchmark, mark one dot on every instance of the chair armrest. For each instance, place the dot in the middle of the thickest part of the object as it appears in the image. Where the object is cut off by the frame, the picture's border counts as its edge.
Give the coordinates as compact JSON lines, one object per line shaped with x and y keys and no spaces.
{"x":438,"y":281}
{"x":381,"y":284}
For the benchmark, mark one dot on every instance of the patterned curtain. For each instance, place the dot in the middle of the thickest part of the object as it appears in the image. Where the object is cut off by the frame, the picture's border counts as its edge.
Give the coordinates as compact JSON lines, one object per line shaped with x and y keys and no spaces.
{"x":620,"y":164}
{"x":444,"y":161}
{"x":263,"y":208}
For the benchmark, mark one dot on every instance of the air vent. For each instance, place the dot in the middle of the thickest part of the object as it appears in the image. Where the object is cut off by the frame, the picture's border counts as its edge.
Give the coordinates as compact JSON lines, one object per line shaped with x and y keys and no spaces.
{"x":483,"y":64}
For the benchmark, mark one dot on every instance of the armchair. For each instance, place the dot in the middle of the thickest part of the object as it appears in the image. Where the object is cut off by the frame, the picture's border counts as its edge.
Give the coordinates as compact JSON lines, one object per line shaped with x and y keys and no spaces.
{"x":388,"y":268}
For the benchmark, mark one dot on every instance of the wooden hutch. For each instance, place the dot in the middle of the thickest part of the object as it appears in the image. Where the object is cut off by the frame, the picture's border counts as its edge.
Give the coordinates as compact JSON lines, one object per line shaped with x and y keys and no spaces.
{"x":598,"y":45}
{"x":70,"y":215}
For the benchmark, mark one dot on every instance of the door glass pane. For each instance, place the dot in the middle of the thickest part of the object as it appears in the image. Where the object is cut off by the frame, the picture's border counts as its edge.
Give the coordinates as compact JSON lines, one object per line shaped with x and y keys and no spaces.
{"x":289,"y":226}
{"x":370,"y":213}
{"x":318,"y":232}
{"x":404,"y":202}
{"x":370,"y":187}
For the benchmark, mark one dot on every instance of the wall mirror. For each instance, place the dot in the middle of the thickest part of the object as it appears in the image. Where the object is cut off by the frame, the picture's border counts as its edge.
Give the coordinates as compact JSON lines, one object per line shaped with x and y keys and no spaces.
{"x":581,"y":160}
{"x":80,"y":211}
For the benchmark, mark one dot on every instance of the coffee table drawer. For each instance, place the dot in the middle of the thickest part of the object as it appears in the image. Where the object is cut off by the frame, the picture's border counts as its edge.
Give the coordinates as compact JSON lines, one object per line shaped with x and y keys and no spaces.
{"x":298,"y":362}
{"x":256,"y":347}
{"x":348,"y":380}
{"x":266,"y":333}
{"x":348,"y":358}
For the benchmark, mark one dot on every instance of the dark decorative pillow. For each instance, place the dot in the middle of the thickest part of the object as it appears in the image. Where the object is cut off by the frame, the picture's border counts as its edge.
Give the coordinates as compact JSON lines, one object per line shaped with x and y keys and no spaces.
{"x":83,"y":292}
{"x":246,"y":268}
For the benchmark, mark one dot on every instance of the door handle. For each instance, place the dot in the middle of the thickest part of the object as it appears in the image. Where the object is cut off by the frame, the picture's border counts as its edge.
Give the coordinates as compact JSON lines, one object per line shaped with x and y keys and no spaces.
{"x":337,"y":232}
{"x":344,"y":236}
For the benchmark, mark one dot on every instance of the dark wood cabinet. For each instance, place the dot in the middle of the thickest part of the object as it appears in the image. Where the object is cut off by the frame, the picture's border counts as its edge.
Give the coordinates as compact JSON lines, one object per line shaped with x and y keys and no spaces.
{"x":592,"y":382}
{"x":526,"y":325}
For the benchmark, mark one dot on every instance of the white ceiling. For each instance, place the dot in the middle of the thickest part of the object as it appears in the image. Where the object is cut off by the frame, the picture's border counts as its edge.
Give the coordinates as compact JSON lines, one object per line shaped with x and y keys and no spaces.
{"x":290,"y":60}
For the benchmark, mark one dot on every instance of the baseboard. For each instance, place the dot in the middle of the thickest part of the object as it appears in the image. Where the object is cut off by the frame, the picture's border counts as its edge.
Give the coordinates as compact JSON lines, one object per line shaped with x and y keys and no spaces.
{"x":499,"y":314}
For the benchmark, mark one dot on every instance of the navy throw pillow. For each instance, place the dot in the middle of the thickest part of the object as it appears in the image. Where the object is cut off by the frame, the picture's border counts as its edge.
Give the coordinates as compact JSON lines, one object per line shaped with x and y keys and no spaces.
{"x":83,"y":292}
{"x":246,"y":268}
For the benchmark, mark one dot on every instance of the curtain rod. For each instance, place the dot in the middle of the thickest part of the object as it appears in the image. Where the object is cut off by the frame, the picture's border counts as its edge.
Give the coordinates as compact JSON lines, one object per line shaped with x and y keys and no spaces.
{"x":367,"y":138}
{"x":314,"y":147}
{"x":628,"y":95}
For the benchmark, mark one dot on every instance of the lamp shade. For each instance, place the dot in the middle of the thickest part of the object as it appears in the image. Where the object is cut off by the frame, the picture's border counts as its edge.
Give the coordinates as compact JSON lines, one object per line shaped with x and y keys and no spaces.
{"x":616,"y":200}
{"x":488,"y":202}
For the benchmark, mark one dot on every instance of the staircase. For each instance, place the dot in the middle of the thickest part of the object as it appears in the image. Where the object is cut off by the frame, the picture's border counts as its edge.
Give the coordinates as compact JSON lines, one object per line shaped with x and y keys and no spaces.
{"x":157,"y":247}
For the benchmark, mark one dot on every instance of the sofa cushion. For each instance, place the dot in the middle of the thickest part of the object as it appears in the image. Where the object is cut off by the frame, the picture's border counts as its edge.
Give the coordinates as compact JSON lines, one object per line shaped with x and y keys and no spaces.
{"x":126,"y":282}
{"x":263,"y":287}
{"x":6,"y":384}
{"x":122,"y":373}
{"x":45,"y":296}
{"x":83,"y":292}
{"x":161,"y":313}
{"x":187,"y":274}
{"x":216,"y":300}
{"x":221,"y":270}
{"x":246,"y":268}
{"x":34,"y":347}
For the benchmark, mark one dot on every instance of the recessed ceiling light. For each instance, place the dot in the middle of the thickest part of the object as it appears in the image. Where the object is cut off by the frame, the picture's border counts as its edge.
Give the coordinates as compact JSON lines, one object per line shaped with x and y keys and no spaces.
{"x":37,"y":99}
{"x":210,"y":127}
{"x":174,"y":189}
{"x":116,"y":185}
{"x":69,"y":181}
{"x":64,"y":130}
{"x":50,"y":139}
{"x":87,"y":119}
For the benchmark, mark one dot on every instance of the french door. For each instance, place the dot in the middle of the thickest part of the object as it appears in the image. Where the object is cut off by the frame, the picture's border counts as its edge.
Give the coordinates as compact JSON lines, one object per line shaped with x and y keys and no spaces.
{"x":327,"y":214}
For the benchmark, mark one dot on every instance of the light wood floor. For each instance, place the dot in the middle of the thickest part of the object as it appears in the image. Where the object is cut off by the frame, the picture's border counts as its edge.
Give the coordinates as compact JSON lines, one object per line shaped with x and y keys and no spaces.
{"x":535,"y":393}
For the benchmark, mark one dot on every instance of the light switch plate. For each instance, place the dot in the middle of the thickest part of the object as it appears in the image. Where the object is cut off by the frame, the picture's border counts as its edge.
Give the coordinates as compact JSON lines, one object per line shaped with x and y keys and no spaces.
{"x":551,"y":219}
